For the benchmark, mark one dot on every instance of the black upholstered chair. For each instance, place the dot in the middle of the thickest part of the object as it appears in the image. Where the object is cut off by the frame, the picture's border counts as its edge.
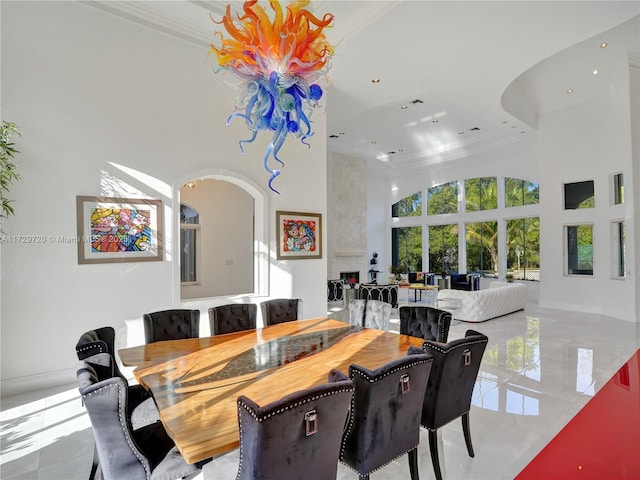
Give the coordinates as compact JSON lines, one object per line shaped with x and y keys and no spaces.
{"x":171,"y":325}
{"x":384,"y":421}
{"x":281,"y":310}
{"x":99,"y":344}
{"x":124,"y":453}
{"x":234,"y":317}
{"x":453,"y":376}
{"x":425,"y":322}
{"x":297,"y":436}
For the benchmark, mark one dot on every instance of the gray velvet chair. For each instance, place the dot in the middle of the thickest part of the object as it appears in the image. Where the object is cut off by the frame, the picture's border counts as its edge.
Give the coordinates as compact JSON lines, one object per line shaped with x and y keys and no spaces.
{"x":453,"y":376}
{"x":384,"y":421}
{"x":281,"y":310}
{"x":356,"y":311}
{"x":377,"y":314}
{"x":369,"y":313}
{"x":125,"y":453}
{"x":297,"y":436}
{"x":234,"y":317}
{"x":171,"y":325}
{"x":425,"y":322}
{"x":99,"y":344}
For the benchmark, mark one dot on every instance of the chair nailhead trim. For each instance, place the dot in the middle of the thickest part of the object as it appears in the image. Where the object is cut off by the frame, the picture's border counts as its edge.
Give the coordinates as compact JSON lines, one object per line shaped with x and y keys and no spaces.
{"x":443,"y":350}
{"x":88,"y":347}
{"x":403,"y":367}
{"x":294,"y":405}
{"x":123,"y":423}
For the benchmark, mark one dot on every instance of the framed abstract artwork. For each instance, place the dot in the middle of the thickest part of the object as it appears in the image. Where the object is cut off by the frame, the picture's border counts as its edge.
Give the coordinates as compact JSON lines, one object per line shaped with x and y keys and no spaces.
{"x":299,"y":235}
{"x":114,"y":230}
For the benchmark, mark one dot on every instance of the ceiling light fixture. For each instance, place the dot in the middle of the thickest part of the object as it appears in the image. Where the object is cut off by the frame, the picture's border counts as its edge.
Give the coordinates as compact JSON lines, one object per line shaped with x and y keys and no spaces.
{"x":373,"y":142}
{"x":570,"y":91}
{"x":375,"y":80}
{"x":191,"y":184}
{"x":279,"y":58}
{"x":403,"y":107}
{"x":435,"y":120}
{"x":603,"y":45}
{"x":460,"y":133}
{"x":596,"y":72}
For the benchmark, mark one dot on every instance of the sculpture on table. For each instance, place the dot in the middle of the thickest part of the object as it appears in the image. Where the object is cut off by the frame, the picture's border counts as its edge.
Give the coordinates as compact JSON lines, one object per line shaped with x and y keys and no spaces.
{"x":373,"y":269}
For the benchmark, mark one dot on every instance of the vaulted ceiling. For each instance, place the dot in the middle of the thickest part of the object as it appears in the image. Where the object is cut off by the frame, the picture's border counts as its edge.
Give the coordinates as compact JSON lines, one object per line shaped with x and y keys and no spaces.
{"x":456,"y":79}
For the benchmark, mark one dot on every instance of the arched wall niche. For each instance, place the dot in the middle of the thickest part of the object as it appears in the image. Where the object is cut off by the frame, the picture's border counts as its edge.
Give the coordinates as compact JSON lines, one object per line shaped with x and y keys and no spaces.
{"x":231,"y":268}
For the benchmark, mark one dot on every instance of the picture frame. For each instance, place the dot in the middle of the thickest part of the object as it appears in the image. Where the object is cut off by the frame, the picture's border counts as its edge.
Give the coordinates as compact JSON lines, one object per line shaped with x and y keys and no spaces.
{"x":299,"y":235}
{"x":113,"y":230}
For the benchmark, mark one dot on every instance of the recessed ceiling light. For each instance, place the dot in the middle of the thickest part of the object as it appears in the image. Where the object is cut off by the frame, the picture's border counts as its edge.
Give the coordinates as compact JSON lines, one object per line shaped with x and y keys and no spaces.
{"x":373,"y":142}
{"x":460,"y":133}
{"x":375,"y":80}
{"x":595,"y":72}
{"x":341,"y":133}
{"x":570,"y":91}
{"x":400,"y":150}
{"x":603,"y":45}
{"x":403,"y":107}
{"x":435,"y":120}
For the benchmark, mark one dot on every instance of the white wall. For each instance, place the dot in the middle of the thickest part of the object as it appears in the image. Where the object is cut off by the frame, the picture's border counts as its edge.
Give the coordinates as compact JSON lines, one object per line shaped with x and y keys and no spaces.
{"x":589,"y":142}
{"x":107,"y":107}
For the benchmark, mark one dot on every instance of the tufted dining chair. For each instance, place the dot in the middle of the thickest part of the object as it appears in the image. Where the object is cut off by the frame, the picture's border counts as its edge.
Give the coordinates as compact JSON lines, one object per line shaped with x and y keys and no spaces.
{"x":384,"y":421}
{"x":425,"y":322}
{"x":453,"y":376}
{"x":171,"y":325}
{"x":125,"y":453}
{"x":281,"y":310}
{"x":234,"y":317}
{"x":297,"y":436}
{"x":99,"y":344}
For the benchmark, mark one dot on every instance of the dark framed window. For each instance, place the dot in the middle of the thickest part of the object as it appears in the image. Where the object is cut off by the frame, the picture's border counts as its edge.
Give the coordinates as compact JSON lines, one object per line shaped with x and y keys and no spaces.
{"x":523,"y":244}
{"x":406,"y":248}
{"x":189,"y":229}
{"x":579,"y":195}
{"x":443,"y":248}
{"x":520,"y":192}
{"x":482,"y":247}
{"x":442,"y":199}
{"x":579,"y":245}
{"x":410,"y":206}
{"x":481,"y":194}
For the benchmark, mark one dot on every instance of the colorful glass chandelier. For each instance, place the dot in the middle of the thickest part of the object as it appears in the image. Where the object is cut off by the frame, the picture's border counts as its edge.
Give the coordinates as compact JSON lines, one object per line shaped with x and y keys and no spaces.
{"x":279,"y":58}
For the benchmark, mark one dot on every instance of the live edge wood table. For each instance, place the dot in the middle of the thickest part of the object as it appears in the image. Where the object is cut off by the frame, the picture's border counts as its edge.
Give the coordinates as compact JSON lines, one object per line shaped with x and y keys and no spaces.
{"x":195,"y":382}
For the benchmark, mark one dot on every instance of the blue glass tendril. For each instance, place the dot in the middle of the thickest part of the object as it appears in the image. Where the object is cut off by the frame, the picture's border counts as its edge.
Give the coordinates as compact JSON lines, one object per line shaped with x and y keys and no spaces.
{"x":278,"y":103}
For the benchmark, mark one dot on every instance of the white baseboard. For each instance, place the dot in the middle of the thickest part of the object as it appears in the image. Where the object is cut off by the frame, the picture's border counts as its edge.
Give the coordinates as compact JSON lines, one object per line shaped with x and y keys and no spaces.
{"x":40,"y":381}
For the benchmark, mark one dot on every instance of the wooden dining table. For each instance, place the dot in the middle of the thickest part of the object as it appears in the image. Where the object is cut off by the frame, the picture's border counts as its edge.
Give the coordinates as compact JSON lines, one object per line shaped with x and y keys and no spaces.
{"x":196,"y":382}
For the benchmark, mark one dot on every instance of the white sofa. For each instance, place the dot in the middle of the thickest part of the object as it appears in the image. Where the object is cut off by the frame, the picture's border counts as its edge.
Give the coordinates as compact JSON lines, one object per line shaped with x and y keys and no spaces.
{"x":499,"y":299}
